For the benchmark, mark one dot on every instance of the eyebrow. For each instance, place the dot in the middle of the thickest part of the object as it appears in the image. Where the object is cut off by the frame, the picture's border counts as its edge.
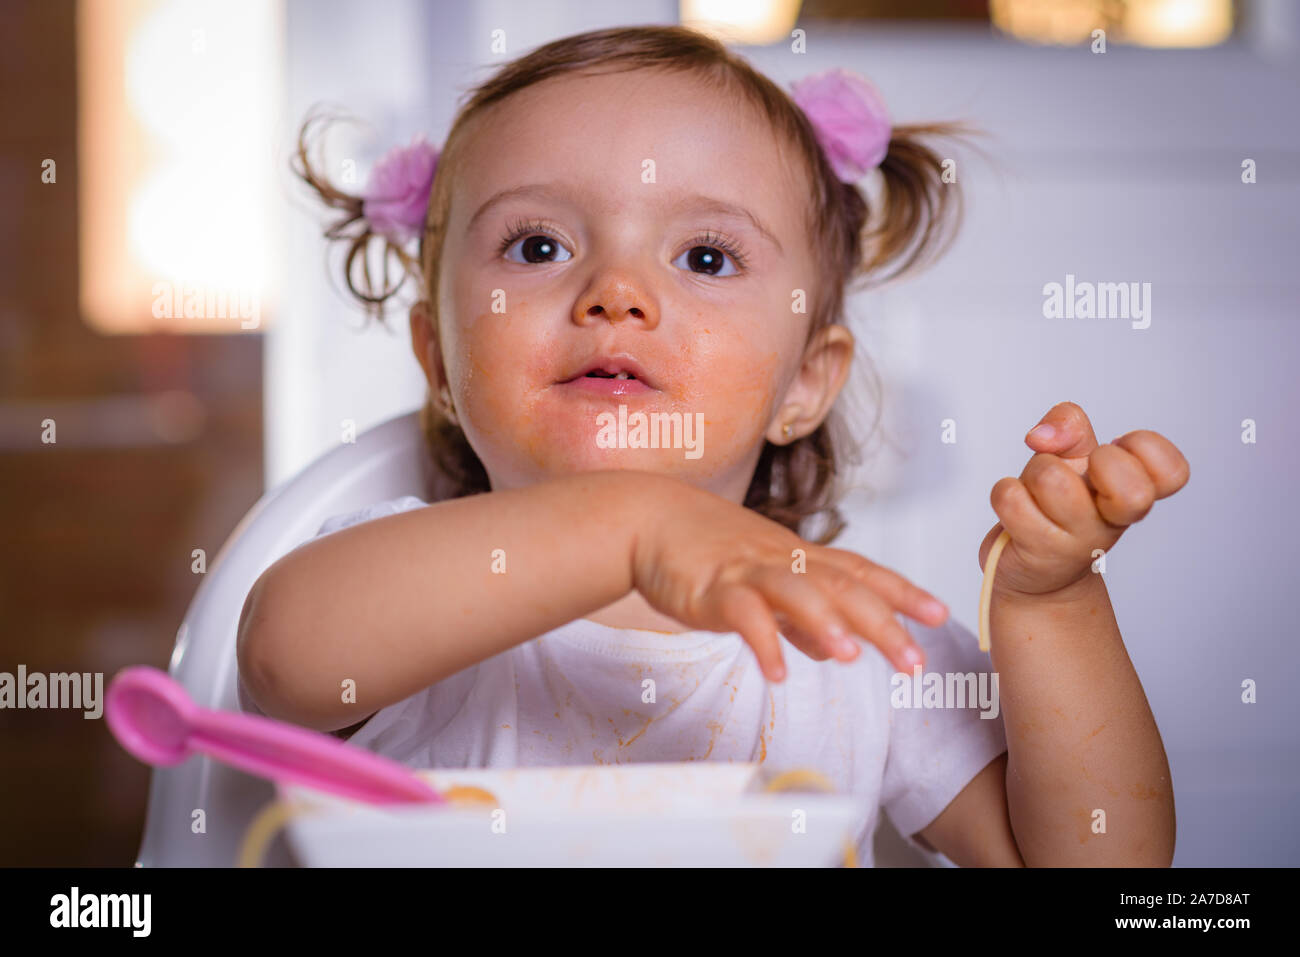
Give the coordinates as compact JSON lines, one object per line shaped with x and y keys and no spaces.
{"x":694,"y":201}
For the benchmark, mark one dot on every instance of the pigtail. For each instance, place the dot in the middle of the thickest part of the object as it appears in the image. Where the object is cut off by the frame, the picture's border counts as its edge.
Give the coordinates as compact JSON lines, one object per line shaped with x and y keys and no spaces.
{"x":351,"y":227}
{"x":917,"y":215}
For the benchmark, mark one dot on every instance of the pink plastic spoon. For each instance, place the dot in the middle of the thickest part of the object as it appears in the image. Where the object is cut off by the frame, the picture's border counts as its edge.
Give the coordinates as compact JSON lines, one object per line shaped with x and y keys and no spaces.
{"x":153,"y":718}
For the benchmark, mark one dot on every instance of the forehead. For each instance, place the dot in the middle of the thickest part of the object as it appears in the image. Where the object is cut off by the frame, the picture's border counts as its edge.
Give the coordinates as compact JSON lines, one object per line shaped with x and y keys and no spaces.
{"x":603,"y":134}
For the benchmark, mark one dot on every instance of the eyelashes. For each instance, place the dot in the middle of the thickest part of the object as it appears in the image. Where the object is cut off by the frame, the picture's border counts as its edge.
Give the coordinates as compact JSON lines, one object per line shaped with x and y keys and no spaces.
{"x":719,"y":241}
{"x":519,"y":229}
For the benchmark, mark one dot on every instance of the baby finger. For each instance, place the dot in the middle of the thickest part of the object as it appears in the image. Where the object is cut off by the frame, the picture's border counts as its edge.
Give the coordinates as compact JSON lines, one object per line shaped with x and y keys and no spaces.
{"x":811,"y":612}
{"x":874,"y":621}
{"x":746,"y":612}
{"x":910,"y":599}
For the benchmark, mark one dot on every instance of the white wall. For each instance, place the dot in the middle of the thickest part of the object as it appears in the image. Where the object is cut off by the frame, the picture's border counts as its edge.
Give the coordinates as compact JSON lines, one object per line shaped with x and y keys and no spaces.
{"x":1116,"y":167}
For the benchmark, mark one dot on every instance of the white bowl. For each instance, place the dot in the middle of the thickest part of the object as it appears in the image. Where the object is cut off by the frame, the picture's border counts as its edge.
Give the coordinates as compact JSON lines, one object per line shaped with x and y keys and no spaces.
{"x":687,"y":814}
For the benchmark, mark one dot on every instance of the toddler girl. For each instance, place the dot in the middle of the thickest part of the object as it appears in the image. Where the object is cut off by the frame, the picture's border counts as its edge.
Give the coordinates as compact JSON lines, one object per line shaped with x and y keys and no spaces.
{"x":632,"y":264}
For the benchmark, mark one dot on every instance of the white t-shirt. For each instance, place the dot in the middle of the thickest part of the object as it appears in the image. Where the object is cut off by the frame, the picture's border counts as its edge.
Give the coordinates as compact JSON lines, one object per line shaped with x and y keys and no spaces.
{"x":574,"y":696}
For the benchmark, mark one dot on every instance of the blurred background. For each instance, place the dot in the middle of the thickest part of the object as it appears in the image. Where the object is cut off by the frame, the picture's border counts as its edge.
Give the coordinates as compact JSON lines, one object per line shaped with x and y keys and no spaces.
{"x":167,"y":302}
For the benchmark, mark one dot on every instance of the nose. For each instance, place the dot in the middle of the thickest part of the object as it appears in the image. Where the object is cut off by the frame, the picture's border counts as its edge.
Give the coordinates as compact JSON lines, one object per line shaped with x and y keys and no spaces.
{"x":616,"y":299}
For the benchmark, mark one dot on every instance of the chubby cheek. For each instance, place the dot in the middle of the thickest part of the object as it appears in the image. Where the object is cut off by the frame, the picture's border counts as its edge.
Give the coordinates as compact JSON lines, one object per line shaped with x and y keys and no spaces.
{"x":732,"y":376}
{"x":500,"y":361}
{"x":501,"y":377}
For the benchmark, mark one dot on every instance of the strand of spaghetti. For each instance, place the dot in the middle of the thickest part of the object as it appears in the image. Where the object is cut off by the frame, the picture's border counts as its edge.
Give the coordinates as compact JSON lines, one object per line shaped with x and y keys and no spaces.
{"x":468,"y":794}
{"x":801,"y":776}
{"x":797,"y":778}
{"x":986,"y":592}
{"x":265,"y":826}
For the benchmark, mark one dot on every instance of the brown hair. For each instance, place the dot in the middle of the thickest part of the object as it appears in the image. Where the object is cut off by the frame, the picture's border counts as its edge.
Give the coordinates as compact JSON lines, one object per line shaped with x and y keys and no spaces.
{"x":855,"y":237}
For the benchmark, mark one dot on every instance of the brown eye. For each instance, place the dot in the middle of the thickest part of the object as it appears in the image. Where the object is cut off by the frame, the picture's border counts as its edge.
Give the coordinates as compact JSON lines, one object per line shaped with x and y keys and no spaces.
{"x":535,"y":248}
{"x":709,"y":252}
{"x":708,"y":260}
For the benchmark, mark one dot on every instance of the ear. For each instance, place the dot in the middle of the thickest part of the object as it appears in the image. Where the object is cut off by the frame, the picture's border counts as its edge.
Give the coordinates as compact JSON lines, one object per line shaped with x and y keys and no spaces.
{"x":821,"y":376}
{"x":424,"y":343}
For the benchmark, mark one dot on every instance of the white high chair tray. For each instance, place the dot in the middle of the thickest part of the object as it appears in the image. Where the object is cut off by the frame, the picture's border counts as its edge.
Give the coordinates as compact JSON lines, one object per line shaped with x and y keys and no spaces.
{"x":687,"y":814}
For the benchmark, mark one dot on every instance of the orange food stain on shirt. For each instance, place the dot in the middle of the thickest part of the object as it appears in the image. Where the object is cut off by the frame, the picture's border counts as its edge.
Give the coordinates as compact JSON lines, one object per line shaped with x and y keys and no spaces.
{"x":616,"y":734}
{"x":649,"y":721}
{"x":715,"y":729}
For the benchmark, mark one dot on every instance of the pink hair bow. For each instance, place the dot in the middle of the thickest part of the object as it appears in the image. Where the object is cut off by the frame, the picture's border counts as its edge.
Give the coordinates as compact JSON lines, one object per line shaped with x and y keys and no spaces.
{"x":849,"y":116}
{"x":396,"y":198}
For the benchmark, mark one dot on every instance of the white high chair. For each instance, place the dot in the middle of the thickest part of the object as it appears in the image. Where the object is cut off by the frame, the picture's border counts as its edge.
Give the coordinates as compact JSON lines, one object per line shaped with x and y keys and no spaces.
{"x":386,"y":462}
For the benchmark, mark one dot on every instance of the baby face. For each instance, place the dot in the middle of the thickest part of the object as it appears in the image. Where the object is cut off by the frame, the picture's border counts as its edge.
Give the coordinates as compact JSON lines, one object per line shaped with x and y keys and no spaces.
{"x":636,"y":223}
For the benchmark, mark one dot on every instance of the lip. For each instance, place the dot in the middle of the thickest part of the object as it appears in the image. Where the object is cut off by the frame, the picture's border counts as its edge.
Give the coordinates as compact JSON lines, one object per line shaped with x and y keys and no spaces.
{"x":599,"y":386}
{"x":612,"y":364}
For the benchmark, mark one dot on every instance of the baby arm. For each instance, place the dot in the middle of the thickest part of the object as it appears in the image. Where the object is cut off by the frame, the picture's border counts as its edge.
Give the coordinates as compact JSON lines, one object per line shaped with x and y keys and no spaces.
{"x":399,"y":603}
{"x":1086,"y":780}
{"x":1081,"y":739}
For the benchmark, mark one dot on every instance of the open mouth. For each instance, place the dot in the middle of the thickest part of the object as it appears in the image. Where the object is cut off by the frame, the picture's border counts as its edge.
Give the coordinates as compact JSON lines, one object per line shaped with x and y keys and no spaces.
{"x":616,"y":374}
